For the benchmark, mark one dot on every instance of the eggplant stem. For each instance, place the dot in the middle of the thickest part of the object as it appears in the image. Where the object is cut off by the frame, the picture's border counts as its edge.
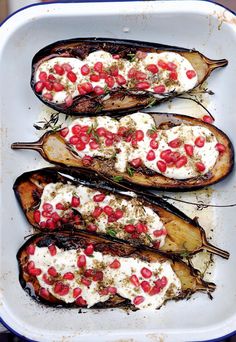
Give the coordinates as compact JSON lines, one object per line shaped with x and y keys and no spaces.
{"x":215,"y":250}
{"x":214,"y":64}
{"x":27,"y":146}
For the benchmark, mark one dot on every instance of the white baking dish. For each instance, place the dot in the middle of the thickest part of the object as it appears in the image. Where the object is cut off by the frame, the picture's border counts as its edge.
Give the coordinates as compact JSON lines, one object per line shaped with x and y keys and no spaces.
{"x":192,"y":24}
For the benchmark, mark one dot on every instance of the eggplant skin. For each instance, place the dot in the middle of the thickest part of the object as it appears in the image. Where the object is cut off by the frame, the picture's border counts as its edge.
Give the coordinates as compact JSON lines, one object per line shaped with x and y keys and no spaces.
{"x":184,"y":235}
{"x":121,"y":100}
{"x":189,"y":277}
{"x":54,"y":149}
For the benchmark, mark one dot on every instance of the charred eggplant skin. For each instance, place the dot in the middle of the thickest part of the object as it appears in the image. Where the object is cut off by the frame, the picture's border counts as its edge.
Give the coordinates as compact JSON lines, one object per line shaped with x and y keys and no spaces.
{"x":190,"y":280}
{"x":63,"y":156}
{"x":121,"y":100}
{"x":179,"y":226}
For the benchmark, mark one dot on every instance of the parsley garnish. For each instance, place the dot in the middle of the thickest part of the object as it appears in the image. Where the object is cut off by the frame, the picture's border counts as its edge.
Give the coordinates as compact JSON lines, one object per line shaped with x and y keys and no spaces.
{"x":117,"y":178}
{"x":111,"y":232}
{"x":130,"y":171}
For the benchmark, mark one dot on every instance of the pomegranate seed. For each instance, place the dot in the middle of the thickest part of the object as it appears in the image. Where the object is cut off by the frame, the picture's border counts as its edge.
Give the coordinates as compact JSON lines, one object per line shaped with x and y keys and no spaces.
{"x":99,"y":197}
{"x":164,"y":281}
{"x":98,"y":276}
{"x":110,"y":81}
{"x":162,"y":64}
{"x":190,"y":74}
{"x":43,"y":76}
{"x":171,"y":66}
{"x":159,"y":89}
{"x":175,"y":143}
{"x":134,"y":280}
{"x":118,"y":214}
{"x":71,"y":76}
{"x":129,"y":228}
{"x":89,"y":250}
{"x":156,"y":244}
{"x":80,"y":146}
{"x":87,"y":160}
{"x":87,"y":86}
{"x":109,"y":142}
{"x":112,"y":218}
{"x":34,"y":271}
{"x":103,"y":75}
{"x":30,"y":249}
{"x":139,"y":135}
{"x":92,"y":227}
{"x":98,"y":66}
{"x":134,"y":143}
{"x":42,"y":224}
{"x":61,"y":288}
{"x":220,"y":148}
{"x":140,"y":76}
{"x":30,"y":265}
{"x":200,"y":141}
{"x":152,"y":68}
{"x":141,"y":54}
{"x":141,"y":228}
{"x":50,"y":224}
{"x":142,"y":85}
{"x":75,"y":201}
{"x":46,"y":214}
{"x":86,"y":282}
{"x":97,"y":212}
{"x":150,"y":155}
{"x":120,"y":80}
{"x":109,"y":135}
{"x":81,"y":90}
{"x":81,"y":262}
{"x":104,"y":292}
{"x":173,"y":75}
{"x":76,"y":292}
{"x":99,"y":90}
{"x":81,"y":301}
{"x":114,"y":71}
{"x":48,"y":86}
{"x":188,"y":149}
{"x":69,"y":100}
{"x":60,"y":206}
{"x":101,"y":131}
{"x":52,"y":250}
{"x":128,"y":138}
{"x":39,"y":86}
{"x":161,"y":166}
{"x":116,"y":56}
{"x":152,"y":134}
{"x":154,"y":144}
{"x":58,"y":69}
{"x":48,"y":96}
{"x":64,"y":132}
{"x":146,"y":273}
{"x":52,"y":271}
{"x":136,"y":162}
{"x":155,"y":290}
{"x":68,"y":276}
{"x":115,"y":264}
{"x":44,"y":293}
{"x":84,"y":137}
{"x":158,"y":232}
{"x":76,"y":129}
{"x":138,"y":300}
{"x":55,"y":217}
{"x":145,"y":286}
{"x":51,"y":78}
{"x":48,"y":207}
{"x":85,"y":70}
{"x":166,"y":155}
{"x":94,"y":78}
{"x":58,"y":86}
{"x":181,"y":162}
{"x":108,"y":210}
{"x":37,"y":216}
{"x":208,"y":119}
{"x":112,"y":290}
{"x":94,"y":145}
{"x":200,"y":166}
{"x":66,"y":66}
{"x":132,"y":73}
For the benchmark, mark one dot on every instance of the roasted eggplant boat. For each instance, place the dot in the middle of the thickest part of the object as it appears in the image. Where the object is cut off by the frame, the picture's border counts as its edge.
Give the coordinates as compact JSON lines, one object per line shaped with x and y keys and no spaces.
{"x":53,"y":200}
{"x":95,"y":75}
{"x":162,"y":151}
{"x":86,"y":271}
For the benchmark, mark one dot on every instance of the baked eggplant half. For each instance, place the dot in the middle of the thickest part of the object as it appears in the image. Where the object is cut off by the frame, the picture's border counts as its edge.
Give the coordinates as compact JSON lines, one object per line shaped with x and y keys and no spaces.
{"x":86,"y":271}
{"x":95,"y":75}
{"x":53,"y":199}
{"x":162,"y":151}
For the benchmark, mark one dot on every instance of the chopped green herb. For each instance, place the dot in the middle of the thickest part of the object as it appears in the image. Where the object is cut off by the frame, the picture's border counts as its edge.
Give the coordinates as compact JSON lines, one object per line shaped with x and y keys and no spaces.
{"x":51,"y":123}
{"x":130,"y":171}
{"x":152,"y":102}
{"x":111,"y":232}
{"x":99,"y":108}
{"x":117,"y":178}
{"x":72,"y":149}
{"x":184,"y":255}
{"x":131,"y":56}
{"x":154,"y":128}
{"x":149,"y":237}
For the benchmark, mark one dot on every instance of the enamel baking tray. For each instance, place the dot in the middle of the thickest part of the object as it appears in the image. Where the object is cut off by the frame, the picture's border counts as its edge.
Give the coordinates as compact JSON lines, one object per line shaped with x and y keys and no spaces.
{"x":203,"y":25}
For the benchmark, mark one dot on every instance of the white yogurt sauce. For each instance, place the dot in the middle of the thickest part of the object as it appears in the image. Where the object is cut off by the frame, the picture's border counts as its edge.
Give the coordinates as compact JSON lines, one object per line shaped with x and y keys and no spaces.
{"x":66,"y":261}
{"x":182,"y":84}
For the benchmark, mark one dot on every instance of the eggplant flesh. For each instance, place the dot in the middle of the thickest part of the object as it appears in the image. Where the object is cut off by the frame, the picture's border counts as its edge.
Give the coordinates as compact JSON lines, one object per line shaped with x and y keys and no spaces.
{"x":116,"y":99}
{"x":54,"y":148}
{"x":184,"y":235}
{"x":188,"y":276}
